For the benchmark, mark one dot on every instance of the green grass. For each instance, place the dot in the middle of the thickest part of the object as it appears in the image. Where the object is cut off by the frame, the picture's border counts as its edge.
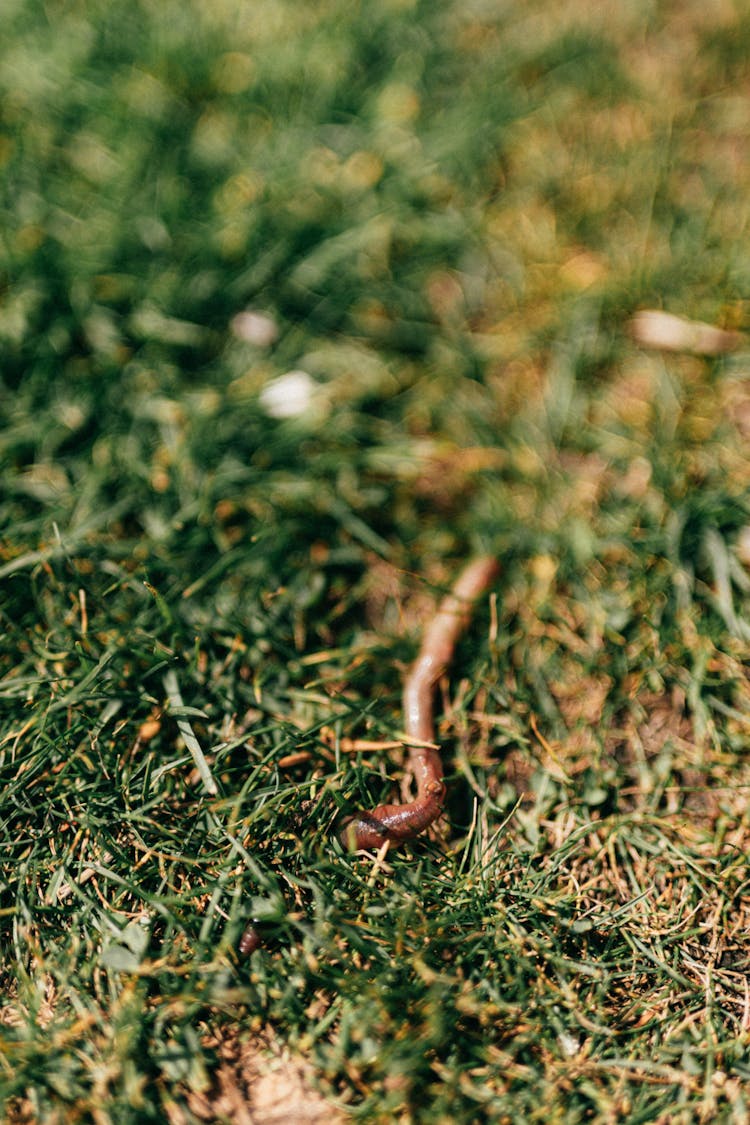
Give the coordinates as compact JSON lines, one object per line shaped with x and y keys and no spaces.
{"x":451,"y":211}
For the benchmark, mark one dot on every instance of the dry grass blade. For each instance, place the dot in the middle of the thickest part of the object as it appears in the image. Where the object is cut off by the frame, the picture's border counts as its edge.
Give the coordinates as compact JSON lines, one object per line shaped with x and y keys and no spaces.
{"x":301,"y":306}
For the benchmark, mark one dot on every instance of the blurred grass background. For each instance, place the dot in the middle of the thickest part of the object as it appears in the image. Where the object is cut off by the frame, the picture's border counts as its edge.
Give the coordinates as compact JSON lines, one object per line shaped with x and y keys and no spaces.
{"x":445,"y":215}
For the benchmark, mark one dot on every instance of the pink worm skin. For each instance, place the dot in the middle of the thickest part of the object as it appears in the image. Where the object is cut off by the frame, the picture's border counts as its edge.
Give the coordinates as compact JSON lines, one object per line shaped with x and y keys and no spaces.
{"x":397,"y":823}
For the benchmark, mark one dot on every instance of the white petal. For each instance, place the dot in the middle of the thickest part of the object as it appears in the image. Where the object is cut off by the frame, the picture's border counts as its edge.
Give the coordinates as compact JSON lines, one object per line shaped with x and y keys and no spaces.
{"x":289,"y":395}
{"x":255,"y":328}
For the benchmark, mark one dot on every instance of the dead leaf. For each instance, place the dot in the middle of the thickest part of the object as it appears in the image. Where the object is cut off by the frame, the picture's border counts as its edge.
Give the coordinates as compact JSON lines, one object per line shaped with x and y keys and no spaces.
{"x":652,"y":328}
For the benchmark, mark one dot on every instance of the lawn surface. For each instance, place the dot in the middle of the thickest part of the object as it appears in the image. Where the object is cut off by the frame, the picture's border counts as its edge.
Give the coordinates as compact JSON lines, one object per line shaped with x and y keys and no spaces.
{"x":445,"y":215}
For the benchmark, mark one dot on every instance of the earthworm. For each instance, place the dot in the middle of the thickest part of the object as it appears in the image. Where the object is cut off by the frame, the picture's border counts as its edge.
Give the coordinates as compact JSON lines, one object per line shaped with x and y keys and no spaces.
{"x":396,"y":823}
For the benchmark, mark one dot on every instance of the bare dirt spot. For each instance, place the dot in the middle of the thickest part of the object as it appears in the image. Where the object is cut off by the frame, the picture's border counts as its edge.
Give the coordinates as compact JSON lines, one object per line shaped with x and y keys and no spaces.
{"x":260,"y":1082}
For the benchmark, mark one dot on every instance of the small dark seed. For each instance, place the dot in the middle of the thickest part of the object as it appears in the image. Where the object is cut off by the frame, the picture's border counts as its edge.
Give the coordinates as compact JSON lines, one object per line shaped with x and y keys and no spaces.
{"x":250,"y":941}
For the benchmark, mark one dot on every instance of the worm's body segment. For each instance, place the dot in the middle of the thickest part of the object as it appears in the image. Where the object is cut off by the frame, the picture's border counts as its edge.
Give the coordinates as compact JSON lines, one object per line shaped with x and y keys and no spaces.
{"x":397,"y":823}
{"x":402,"y":822}
{"x":392,"y":822}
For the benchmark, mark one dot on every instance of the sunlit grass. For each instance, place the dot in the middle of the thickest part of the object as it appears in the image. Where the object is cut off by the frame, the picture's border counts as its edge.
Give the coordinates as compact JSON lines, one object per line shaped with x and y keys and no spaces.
{"x":443,"y":216}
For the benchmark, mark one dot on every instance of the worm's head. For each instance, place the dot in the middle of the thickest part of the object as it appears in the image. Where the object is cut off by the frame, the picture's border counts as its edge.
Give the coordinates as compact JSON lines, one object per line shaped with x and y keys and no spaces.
{"x":362,"y":833}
